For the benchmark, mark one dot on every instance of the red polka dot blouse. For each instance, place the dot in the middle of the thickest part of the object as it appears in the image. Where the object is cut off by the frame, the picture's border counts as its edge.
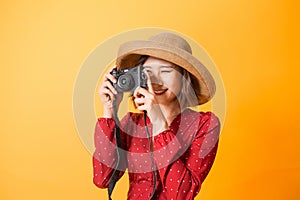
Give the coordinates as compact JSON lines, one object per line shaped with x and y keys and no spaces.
{"x":182,"y":156}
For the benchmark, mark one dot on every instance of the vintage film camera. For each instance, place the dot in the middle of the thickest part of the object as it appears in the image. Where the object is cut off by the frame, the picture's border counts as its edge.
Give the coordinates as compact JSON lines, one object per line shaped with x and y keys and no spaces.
{"x":129,"y":79}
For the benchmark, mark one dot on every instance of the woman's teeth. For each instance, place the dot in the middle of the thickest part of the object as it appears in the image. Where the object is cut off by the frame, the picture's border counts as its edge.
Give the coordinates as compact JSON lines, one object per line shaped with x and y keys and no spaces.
{"x":159,"y":92}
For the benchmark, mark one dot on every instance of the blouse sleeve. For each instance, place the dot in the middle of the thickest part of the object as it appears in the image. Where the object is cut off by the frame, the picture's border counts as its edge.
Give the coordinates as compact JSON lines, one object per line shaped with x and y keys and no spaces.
{"x":183,"y":167}
{"x":105,"y":154}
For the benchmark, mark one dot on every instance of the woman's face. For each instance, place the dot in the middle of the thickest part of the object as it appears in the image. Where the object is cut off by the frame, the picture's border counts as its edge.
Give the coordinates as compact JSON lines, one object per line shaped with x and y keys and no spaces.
{"x":165,"y":78}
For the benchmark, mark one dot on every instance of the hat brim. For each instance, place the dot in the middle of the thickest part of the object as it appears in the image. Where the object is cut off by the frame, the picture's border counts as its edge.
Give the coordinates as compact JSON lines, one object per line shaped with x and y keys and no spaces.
{"x":130,"y":53}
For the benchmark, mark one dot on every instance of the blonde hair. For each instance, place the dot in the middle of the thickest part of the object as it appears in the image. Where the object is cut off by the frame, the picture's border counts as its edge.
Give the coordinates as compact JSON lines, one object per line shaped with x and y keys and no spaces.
{"x":188,"y":97}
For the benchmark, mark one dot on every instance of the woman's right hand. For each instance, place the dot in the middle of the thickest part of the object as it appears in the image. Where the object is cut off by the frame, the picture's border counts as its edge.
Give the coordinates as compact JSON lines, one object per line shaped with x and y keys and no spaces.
{"x":108,"y":94}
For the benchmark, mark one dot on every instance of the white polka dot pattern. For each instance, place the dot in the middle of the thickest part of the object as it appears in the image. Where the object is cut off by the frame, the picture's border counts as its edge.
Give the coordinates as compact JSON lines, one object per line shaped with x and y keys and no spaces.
{"x":183,"y":155}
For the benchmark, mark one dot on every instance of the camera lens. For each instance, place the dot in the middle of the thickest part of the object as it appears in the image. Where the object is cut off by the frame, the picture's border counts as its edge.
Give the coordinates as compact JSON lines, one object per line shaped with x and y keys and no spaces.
{"x":126,"y":82}
{"x":143,"y":76}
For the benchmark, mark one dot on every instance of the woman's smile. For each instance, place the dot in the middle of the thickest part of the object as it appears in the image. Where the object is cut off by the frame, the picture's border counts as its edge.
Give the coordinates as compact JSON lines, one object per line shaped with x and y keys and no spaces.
{"x":160,"y":91}
{"x":164,"y":78}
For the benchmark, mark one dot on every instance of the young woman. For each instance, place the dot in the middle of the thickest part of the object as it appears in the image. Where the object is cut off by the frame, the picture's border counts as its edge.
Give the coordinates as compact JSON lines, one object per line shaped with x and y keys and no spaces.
{"x":168,"y":149}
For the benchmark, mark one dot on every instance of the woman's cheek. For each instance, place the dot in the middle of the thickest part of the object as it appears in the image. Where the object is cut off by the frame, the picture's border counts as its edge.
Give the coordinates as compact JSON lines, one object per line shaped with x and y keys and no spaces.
{"x":167,"y":80}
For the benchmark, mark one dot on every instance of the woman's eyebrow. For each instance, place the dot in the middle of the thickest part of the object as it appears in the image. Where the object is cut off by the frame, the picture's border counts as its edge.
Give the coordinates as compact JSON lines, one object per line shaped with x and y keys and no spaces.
{"x":163,"y":66}
{"x":167,"y":67}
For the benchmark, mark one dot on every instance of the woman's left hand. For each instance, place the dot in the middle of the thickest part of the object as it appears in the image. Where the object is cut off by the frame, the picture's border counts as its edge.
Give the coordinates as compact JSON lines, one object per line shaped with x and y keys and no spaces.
{"x":145,"y":101}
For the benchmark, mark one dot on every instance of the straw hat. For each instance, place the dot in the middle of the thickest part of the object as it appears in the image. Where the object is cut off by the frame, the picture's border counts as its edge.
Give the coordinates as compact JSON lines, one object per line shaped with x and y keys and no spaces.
{"x":172,"y":48}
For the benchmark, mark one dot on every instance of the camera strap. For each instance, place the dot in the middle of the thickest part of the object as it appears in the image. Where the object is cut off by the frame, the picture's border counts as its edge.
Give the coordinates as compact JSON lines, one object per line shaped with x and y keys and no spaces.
{"x":115,"y":175}
{"x":116,"y":172}
{"x":151,"y":156}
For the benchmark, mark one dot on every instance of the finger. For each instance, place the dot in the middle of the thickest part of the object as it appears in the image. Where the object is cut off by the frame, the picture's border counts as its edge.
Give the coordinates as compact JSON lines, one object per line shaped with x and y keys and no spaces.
{"x":108,"y":85}
{"x":110,"y":77}
{"x":142,"y":107}
{"x":146,"y":93}
{"x":108,"y":72}
{"x":136,"y":92}
{"x":139,"y":91}
{"x":139,"y":100}
{"x":104,"y":91}
{"x":149,"y":85}
{"x":110,"y":94}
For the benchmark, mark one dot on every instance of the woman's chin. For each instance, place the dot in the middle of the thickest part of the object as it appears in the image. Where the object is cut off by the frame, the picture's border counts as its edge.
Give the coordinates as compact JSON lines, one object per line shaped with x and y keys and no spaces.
{"x":165,"y":99}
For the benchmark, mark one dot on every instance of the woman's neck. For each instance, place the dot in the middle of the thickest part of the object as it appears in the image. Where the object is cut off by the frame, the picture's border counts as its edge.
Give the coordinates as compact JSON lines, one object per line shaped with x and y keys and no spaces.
{"x":170,"y":111}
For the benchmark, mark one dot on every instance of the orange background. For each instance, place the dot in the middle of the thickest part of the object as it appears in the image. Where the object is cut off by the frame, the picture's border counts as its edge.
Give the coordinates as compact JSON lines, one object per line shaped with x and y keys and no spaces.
{"x":253,"y":43}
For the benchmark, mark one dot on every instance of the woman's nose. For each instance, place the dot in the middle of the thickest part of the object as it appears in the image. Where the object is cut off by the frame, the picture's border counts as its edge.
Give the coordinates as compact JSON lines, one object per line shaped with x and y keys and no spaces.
{"x":156,"y":79}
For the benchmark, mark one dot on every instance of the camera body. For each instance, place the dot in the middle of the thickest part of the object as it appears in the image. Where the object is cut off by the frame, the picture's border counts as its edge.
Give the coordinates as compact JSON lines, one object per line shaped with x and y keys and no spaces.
{"x":129,"y":79}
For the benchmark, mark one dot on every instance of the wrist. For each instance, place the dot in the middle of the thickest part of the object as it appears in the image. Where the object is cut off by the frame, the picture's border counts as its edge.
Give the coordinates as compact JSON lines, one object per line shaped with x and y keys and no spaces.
{"x":108,"y":113}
